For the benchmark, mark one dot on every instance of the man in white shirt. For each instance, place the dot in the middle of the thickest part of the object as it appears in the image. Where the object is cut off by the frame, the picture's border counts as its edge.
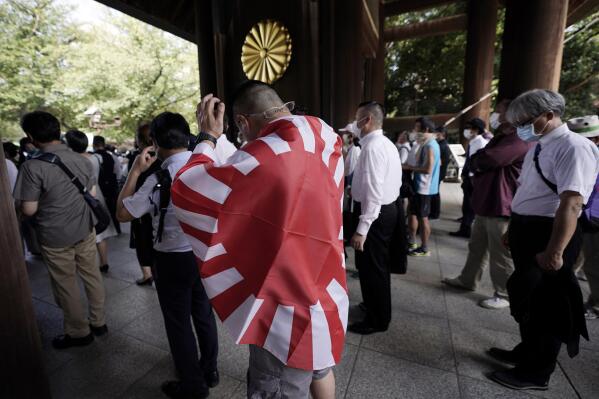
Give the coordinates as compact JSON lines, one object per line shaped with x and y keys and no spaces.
{"x":375,"y":188}
{"x":544,"y":237}
{"x":474,"y":131}
{"x":180,"y":290}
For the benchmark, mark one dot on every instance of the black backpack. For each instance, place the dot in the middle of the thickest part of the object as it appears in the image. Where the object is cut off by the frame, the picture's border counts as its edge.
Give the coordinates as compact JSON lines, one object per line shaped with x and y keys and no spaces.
{"x":107,"y":178}
{"x":164,"y":188}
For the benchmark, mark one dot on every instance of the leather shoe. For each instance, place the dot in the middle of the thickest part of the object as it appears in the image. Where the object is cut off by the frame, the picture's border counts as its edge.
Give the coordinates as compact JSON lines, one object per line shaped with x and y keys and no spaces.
{"x":212,"y":378}
{"x":363,"y":328}
{"x":104,"y":268}
{"x":99,"y":331}
{"x":66,"y":341}
{"x":174,"y":389}
{"x":460,"y":233}
{"x":504,"y":356}
{"x":511,"y":379}
{"x":145,"y":281}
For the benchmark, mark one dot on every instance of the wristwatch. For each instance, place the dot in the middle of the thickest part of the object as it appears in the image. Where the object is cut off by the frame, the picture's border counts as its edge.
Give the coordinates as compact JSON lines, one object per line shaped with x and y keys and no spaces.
{"x":206,"y":136}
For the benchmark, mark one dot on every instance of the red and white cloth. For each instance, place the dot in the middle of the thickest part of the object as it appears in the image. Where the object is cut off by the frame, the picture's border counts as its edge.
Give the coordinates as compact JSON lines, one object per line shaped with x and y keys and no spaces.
{"x":266,"y":228}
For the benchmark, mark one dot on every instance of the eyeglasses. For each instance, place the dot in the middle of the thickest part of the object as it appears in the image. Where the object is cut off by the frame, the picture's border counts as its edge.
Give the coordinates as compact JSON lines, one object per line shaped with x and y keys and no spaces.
{"x":531,"y":120}
{"x":272,"y":112}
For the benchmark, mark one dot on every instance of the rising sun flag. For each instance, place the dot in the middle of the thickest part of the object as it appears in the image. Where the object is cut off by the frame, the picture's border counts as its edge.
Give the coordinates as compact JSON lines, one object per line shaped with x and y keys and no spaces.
{"x":266,"y":229}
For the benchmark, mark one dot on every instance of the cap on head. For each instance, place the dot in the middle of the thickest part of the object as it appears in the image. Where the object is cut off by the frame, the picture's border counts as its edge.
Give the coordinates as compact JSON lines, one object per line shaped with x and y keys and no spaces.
{"x":586,"y":126}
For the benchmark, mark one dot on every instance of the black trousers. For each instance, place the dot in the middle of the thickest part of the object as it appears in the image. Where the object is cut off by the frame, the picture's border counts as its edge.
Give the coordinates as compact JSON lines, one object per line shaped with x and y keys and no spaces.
{"x":374,"y":266}
{"x":547,"y":306}
{"x":111,"y":200}
{"x":183,"y":299}
{"x":467,"y":211}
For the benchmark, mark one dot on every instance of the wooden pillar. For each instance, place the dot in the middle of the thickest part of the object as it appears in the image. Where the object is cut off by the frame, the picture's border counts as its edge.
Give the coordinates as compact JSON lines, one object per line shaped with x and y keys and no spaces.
{"x":480,"y":54}
{"x":378,"y":65}
{"x":532,"y":46}
{"x":22,"y":373}
{"x":206,"y":51}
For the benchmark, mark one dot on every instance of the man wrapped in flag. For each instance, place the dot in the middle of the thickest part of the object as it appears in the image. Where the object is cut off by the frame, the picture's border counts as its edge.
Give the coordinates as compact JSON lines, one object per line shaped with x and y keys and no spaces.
{"x":266,"y":229}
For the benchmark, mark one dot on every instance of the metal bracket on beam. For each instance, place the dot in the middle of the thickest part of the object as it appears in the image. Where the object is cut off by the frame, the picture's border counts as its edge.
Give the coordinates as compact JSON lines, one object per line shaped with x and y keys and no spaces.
{"x":435,"y":27}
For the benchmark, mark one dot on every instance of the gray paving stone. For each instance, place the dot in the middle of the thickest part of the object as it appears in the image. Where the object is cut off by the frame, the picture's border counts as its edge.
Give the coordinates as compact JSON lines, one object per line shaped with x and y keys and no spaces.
{"x":128,"y":304}
{"x":343,"y":370}
{"x":149,"y":327}
{"x":471,"y":388}
{"x":381,"y":376}
{"x":49,"y":321}
{"x":148,"y":386}
{"x":593,"y":344}
{"x":104,"y":369}
{"x":233,"y":359}
{"x":418,"y":338}
{"x":583,"y":371}
{"x":424,"y":298}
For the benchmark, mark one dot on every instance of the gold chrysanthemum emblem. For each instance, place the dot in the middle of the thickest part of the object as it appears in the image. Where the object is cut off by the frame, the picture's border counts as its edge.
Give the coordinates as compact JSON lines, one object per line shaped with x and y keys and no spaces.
{"x":266,"y":51}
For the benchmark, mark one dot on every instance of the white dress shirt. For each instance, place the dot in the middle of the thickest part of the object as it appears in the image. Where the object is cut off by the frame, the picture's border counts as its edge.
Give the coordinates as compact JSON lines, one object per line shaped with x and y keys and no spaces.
{"x":566,"y":159}
{"x":377,"y":177}
{"x":223,"y":150}
{"x":404,"y":151}
{"x":146,"y":200}
{"x":412,"y":160}
{"x":351,"y":159}
{"x":476,"y":144}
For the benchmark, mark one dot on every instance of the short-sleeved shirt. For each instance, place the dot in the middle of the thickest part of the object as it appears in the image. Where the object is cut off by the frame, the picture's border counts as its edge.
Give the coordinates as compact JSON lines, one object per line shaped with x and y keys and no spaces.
{"x":63,"y":217}
{"x":568,"y":160}
{"x":428,"y":183}
{"x":147,"y":200}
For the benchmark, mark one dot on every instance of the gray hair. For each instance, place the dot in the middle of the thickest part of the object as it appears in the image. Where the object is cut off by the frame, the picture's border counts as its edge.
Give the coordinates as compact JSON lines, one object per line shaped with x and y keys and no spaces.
{"x":533,"y":103}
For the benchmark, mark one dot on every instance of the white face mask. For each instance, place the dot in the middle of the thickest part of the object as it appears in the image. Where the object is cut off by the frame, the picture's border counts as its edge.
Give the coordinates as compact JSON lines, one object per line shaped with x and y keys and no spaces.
{"x":467,"y":134}
{"x":494,"y":120}
{"x":413,"y":136}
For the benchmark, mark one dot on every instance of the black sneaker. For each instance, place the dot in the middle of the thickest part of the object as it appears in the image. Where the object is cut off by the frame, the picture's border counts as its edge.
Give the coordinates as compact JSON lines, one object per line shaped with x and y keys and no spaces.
{"x":104,"y":268}
{"x":66,"y":341}
{"x":99,"y":331}
{"x":510,"y":379}
{"x":212,"y":378}
{"x":174,"y":389}
{"x":419,"y":252}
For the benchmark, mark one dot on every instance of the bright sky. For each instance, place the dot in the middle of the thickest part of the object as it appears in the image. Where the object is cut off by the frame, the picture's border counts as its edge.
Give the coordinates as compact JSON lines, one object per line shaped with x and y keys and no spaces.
{"x":86,"y":11}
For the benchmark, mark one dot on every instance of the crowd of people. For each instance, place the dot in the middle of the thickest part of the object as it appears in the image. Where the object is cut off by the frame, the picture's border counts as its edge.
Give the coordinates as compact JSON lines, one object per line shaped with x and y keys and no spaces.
{"x":530,"y":212}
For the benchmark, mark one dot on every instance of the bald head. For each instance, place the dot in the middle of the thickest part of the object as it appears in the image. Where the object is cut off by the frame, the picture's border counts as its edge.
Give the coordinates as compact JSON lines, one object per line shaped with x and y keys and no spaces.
{"x":254,"y":96}
{"x":375,"y":111}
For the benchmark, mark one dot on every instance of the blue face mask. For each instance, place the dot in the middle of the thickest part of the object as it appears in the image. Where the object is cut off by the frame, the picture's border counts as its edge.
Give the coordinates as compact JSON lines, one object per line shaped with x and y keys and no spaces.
{"x":527,"y":133}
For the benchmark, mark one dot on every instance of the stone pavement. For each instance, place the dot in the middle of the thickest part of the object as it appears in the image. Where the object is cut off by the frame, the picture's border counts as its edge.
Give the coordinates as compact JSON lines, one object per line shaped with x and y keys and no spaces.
{"x":433,"y":349}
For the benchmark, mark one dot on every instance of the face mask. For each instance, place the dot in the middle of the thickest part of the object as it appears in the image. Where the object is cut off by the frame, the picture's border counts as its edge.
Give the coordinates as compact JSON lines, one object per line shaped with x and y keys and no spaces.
{"x":527,"y":133}
{"x":494,"y":120}
{"x":353,"y":128}
{"x":467,"y":134}
{"x":412,"y":136}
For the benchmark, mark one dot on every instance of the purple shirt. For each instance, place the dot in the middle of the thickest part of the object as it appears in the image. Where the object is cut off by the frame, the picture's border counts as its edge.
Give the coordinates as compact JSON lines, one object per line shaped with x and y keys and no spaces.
{"x":496,"y":170}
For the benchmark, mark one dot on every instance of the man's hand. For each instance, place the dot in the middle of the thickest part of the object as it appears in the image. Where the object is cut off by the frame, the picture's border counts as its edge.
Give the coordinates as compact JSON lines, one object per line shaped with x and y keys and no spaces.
{"x":210,"y":114}
{"x":550,"y":261}
{"x":144,"y":160}
{"x":357,"y":242}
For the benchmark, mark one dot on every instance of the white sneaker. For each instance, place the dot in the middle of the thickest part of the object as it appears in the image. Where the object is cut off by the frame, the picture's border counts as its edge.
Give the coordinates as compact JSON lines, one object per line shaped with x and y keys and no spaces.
{"x":494,"y":303}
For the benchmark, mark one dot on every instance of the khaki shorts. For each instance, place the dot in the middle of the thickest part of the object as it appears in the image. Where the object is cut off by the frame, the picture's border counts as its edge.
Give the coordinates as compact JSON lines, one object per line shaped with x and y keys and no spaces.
{"x":269,"y":378}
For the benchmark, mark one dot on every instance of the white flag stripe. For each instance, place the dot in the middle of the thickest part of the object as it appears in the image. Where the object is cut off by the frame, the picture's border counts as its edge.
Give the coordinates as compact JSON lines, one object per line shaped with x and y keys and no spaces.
{"x":243,"y":162}
{"x":198,"y":180}
{"x":276,"y":144}
{"x":204,"y":252}
{"x":238,"y":322}
{"x":204,"y":148}
{"x":343,"y":260}
{"x":220,"y":282}
{"x":197,"y":220}
{"x":322,"y":355}
{"x":339,"y":171}
{"x":330,"y":138}
{"x":305,"y":131}
{"x":339,"y":296}
{"x":279,"y":336}
{"x":340,"y":233}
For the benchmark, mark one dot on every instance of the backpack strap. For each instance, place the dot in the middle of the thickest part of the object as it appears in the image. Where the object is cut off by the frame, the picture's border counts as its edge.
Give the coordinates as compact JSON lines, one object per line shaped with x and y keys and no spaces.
{"x":164,"y":188}
{"x":55,"y":159}
{"x":549,"y":184}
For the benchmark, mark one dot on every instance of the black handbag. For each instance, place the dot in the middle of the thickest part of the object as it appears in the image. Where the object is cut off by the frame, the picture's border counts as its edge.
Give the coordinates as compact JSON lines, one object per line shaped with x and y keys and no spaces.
{"x":101,"y":213}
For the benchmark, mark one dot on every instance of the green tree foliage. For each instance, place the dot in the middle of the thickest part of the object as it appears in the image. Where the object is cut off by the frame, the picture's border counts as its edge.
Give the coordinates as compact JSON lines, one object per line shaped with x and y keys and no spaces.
{"x":425,"y":76}
{"x":124,"y":67}
{"x":580,"y":68}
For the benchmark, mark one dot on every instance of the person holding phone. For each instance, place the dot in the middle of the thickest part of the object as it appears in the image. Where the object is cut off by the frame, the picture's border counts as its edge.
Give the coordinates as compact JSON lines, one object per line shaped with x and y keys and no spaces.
{"x":180,"y":291}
